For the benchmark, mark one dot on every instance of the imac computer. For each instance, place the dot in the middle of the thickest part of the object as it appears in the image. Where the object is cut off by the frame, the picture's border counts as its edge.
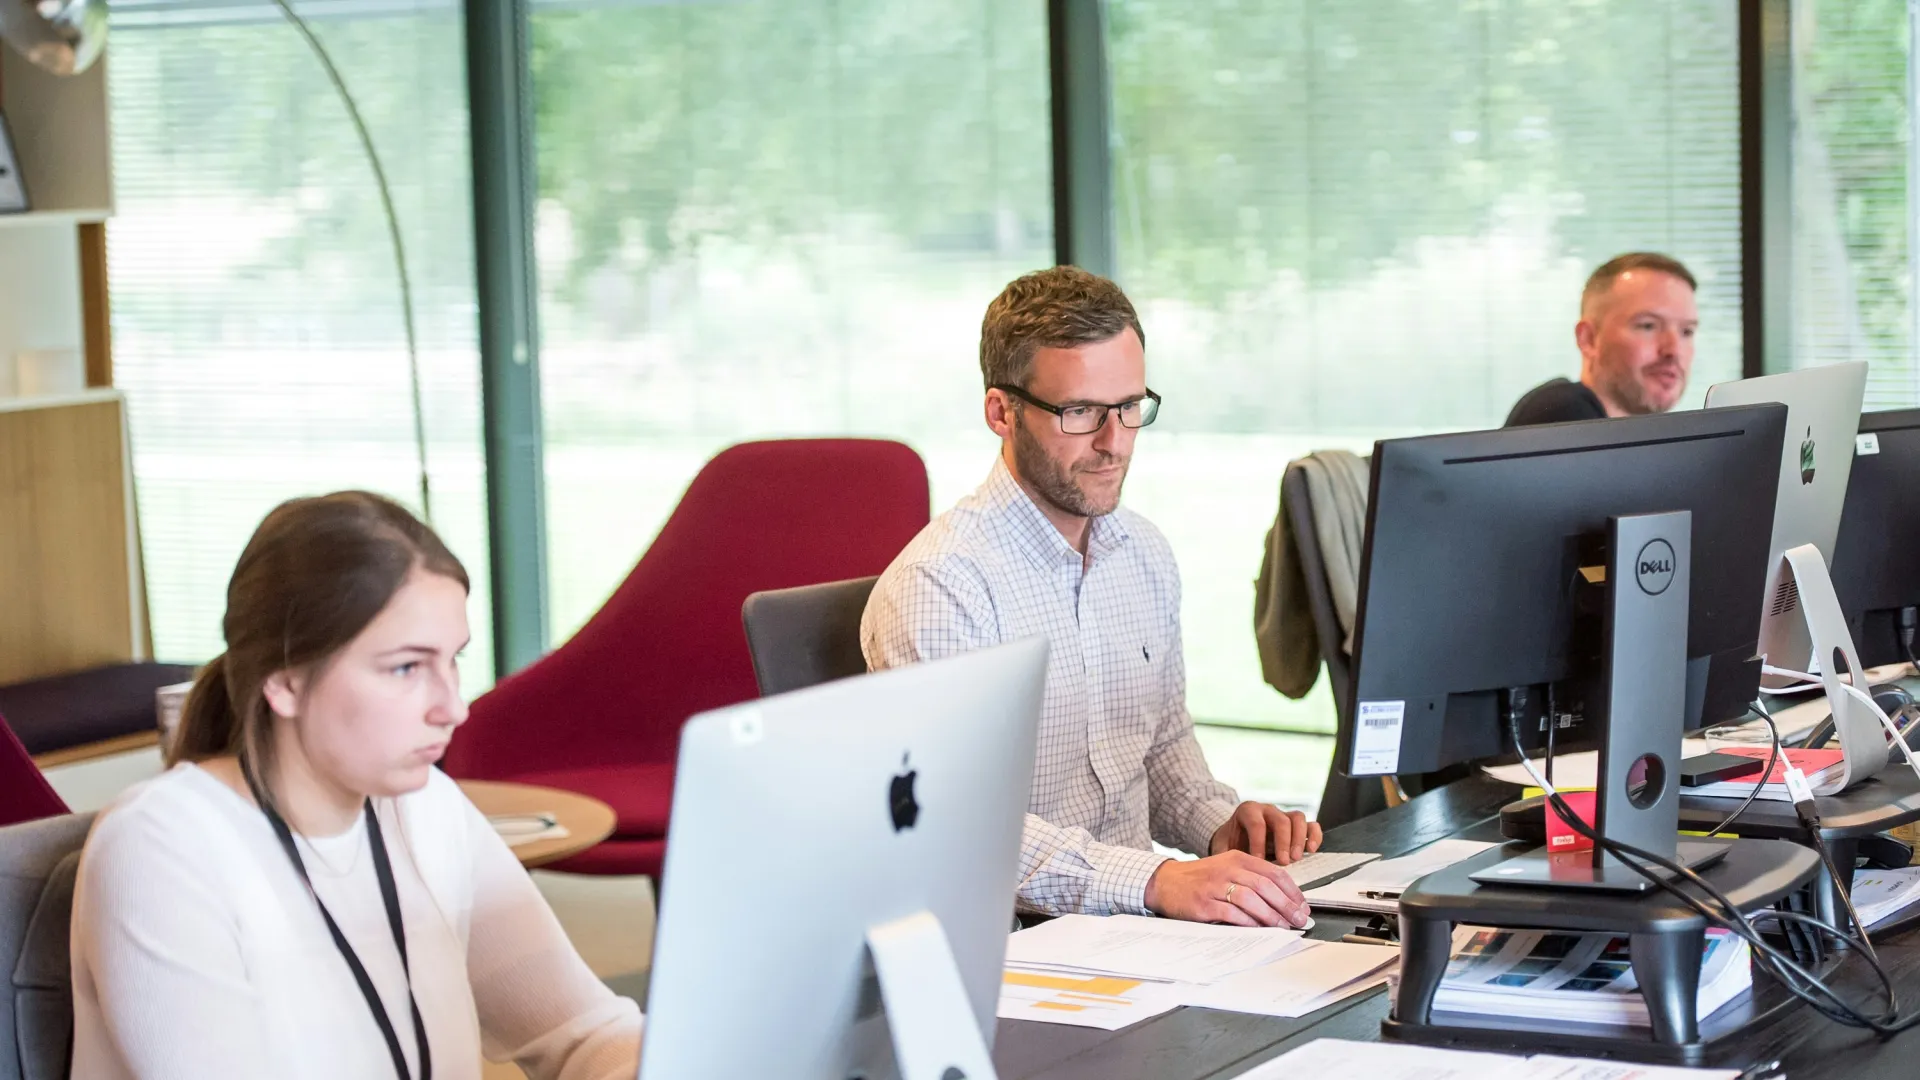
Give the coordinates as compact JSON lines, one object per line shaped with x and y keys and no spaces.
{"x":1492,"y":596}
{"x":1823,"y":415}
{"x":1802,"y":628}
{"x":1875,"y":572}
{"x":840,"y":875}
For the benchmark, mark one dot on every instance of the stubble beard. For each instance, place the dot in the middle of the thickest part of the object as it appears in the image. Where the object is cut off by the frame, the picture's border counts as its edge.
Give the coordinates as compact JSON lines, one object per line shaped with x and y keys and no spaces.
{"x":1055,"y":482}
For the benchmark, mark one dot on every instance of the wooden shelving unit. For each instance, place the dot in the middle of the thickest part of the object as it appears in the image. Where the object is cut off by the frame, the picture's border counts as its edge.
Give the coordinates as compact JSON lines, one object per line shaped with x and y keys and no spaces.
{"x":71,"y":594}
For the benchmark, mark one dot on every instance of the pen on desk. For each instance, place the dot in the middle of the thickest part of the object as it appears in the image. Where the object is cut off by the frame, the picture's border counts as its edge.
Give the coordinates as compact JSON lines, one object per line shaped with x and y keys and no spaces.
{"x":1380,"y":894}
{"x":1363,"y":939}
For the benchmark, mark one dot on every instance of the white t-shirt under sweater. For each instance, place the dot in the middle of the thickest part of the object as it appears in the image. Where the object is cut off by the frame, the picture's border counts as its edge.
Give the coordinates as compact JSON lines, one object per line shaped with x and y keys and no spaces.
{"x":198,"y":953}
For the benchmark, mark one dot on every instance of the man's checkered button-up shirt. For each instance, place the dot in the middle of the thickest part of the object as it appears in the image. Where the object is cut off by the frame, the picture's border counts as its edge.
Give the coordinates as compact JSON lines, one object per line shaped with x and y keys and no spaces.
{"x":1117,"y":766}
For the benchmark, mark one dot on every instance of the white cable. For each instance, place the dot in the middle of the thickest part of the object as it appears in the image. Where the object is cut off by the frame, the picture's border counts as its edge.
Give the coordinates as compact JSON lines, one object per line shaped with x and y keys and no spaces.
{"x":1803,"y":676}
{"x":1874,"y":706}
{"x":1538,"y":780}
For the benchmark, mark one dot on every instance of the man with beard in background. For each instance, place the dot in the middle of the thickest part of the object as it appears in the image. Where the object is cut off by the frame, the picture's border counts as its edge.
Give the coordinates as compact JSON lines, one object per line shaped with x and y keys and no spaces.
{"x":1637,"y":321}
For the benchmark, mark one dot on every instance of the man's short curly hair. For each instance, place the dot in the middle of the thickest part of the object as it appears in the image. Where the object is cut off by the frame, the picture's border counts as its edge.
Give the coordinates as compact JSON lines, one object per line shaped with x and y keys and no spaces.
{"x":1057,"y":308}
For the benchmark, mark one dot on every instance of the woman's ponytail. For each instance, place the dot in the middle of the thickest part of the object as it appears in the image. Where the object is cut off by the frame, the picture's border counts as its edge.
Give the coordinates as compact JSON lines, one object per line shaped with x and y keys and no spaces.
{"x":209,"y":724}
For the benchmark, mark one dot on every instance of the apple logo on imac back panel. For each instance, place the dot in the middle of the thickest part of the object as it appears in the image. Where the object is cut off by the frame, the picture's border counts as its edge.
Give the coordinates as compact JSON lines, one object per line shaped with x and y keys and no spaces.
{"x":900,"y":801}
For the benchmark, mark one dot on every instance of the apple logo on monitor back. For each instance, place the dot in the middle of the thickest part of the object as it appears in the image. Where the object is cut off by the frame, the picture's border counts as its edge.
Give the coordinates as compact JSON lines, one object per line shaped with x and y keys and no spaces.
{"x":900,"y":800}
{"x":1806,"y":459}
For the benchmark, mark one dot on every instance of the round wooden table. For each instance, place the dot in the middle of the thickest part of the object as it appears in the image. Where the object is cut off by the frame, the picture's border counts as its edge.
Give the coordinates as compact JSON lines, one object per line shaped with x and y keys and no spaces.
{"x":586,"y":819}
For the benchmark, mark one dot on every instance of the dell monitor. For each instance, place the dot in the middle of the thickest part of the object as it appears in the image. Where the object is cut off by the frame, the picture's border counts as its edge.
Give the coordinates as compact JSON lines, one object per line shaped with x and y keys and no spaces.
{"x":1823,"y":414}
{"x":1597,"y":576}
{"x":840,"y":875}
{"x":1875,"y":571}
{"x":1479,"y":576}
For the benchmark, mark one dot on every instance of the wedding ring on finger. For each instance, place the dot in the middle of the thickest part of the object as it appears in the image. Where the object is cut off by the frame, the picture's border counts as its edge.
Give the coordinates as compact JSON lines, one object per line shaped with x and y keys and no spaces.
{"x":1231,"y":885}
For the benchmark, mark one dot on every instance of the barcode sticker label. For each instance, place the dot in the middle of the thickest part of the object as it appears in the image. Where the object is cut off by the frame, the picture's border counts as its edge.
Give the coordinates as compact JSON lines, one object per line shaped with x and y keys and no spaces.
{"x":1376,"y":738}
{"x":1867,"y":443}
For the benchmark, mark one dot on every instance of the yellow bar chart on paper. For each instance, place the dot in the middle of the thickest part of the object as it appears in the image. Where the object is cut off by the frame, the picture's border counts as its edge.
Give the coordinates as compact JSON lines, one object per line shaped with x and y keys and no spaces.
{"x":1097,"y":1001}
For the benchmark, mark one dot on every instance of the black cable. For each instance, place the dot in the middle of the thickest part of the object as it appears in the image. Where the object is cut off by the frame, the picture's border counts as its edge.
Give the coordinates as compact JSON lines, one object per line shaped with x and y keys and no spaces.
{"x":1766,"y":774}
{"x":1809,"y":814}
{"x":1796,"y":980}
{"x":1799,"y":982}
{"x":1553,"y":721}
{"x":1789,"y":973}
{"x":399,"y":247}
{"x":1784,"y":970}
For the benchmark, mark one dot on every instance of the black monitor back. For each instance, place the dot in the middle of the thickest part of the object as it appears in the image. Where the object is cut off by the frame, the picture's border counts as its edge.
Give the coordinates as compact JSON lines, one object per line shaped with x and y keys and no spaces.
{"x":1875,"y":571}
{"x":1470,"y":582}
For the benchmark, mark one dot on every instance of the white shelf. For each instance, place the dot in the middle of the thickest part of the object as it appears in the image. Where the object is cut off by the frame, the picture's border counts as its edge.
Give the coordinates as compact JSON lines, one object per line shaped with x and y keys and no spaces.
{"x":59,"y":130}
{"x":58,"y":401}
{"x":40,"y":303}
{"x":34,"y":218}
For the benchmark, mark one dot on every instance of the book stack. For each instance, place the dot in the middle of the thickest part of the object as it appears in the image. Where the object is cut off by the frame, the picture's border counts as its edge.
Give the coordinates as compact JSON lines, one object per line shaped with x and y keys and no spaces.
{"x":1880,"y":895}
{"x":1822,"y":768}
{"x":1574,"y":978}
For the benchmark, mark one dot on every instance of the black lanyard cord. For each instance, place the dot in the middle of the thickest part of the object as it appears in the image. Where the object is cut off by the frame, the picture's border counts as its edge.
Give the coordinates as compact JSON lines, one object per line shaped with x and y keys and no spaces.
{"x":390,"y":896}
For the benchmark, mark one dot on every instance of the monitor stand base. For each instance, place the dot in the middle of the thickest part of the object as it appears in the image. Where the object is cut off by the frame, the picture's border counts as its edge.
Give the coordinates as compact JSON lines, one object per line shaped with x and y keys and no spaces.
{"x":1583,"y":871}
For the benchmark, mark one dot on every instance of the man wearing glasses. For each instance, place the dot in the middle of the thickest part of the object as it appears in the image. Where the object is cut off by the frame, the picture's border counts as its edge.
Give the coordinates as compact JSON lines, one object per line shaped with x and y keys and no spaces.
{"x":1043,"y":547}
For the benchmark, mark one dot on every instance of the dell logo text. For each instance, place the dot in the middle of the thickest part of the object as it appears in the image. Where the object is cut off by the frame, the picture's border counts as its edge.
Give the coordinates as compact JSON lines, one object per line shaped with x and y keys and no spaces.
{"x":1653,"y":568}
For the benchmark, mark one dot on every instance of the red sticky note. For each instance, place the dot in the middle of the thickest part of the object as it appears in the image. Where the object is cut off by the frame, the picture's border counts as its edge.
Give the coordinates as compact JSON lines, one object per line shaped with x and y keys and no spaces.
{"x":1560,"y":836}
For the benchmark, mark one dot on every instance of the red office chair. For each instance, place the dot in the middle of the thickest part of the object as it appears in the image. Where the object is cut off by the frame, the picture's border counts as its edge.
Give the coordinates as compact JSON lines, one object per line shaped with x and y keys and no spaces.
{"x":25,"y":794}
{"x":601,"y":714}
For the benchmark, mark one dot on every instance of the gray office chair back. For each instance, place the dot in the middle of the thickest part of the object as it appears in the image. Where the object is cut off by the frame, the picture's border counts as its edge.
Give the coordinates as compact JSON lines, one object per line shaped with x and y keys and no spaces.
{"x":806,"y":636}
{"x":38,"y":860}
{"x":1344,"y":798}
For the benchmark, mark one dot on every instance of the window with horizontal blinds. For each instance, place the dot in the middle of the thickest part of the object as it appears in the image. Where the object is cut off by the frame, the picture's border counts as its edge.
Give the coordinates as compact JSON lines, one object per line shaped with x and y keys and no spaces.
{"x":770,"y":218}
{"x":1853,"y":224}
{"x":1351,"y":219}
{"x":256,"y":310}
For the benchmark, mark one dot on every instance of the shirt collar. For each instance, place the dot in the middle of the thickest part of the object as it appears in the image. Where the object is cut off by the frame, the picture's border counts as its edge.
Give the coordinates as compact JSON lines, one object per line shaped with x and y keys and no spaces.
{"x":1036,"y":534}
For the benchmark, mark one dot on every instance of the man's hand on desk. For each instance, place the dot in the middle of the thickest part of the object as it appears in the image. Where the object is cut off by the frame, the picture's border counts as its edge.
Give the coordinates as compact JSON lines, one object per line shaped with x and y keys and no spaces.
{"x":1268,"y":832}
{"x":1232,"y":887}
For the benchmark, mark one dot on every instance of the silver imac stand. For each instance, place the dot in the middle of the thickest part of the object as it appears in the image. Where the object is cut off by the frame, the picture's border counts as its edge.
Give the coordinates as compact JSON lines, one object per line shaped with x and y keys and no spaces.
{"x":1805,"y":585}
{"x":934,"y":1033}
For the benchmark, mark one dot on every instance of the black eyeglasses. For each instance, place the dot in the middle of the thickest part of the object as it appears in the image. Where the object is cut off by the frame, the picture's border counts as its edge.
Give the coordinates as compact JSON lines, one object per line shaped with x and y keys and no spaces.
{"x":1087,"y":419}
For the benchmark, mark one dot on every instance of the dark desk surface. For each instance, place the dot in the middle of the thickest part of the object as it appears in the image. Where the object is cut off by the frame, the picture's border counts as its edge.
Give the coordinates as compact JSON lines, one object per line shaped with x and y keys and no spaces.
{"x":1200,"y":1044}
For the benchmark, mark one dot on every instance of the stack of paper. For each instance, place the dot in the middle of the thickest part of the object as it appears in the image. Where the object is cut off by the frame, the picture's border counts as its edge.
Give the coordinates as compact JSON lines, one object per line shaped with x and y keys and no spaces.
{"x":1318,"y":866}
{"x":1578,"y":978}
{"x":1878,"y":895}
{"x":1376,"y":887}
{"x":1305,"y":981}
{"x":1139,"y":947}
{"x":1098,"y":1001}
{"x":1394,"y":1061}
{"x":1111,"y":972}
